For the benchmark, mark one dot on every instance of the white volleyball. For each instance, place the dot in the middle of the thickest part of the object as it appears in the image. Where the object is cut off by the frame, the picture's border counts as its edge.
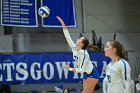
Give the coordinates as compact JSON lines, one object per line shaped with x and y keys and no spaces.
{"x":44,"y":11}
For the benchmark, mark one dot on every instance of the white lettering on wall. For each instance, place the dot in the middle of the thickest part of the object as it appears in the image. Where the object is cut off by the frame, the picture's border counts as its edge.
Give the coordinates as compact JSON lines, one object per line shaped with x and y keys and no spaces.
{"x":94,"y":63}
{"x":21,"y":69}
{"x":9,"y":67}
{"x":60,"y":69}
{"x":45,"y":71}
{"x":1,"y":78}
{"x":103,"y":69}
{"x":33,"y":69}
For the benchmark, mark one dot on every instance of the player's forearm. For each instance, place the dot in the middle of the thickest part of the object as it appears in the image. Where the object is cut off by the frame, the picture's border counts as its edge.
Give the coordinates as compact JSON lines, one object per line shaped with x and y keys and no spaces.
{"x":72,"y":69}
{"x":62,"y":23}
{"x":76,"y":70}
{"x":63,"y":26}
{"x":79,"y":70}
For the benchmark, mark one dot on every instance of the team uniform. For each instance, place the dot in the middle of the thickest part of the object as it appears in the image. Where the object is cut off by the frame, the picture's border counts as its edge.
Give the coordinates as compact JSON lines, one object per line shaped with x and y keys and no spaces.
{"x":118,"y":79}
{"x":138,"y":87}
{"x":81,"y":57}
{"x":105,"y":85}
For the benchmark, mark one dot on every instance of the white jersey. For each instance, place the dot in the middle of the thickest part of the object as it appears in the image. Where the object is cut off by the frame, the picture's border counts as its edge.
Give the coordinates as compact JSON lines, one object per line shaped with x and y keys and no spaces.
{"x":105,"y":85}
{"x":118,"y":77}
{"x":81,"y":57}
{"x":132,"y":86}
{"x":138,"y":87}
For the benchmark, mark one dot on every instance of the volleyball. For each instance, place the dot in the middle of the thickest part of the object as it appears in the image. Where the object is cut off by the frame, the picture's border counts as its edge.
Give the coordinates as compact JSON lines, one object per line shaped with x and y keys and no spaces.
{"x":44,"y":11}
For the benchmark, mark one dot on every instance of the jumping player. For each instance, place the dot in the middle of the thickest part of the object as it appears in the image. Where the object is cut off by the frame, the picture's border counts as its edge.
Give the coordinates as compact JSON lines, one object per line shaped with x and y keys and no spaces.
{"x":81,"y":57}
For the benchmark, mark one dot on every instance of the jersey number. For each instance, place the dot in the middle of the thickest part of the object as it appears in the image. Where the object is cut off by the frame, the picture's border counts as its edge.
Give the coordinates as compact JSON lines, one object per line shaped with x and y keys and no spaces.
{"x":75,"y":58}
{"x":109,"y":78}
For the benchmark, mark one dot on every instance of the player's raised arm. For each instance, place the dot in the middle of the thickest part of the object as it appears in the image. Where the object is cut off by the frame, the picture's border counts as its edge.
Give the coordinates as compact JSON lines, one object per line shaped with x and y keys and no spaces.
{"x":66,"y":33}
{"x":62,"y":23}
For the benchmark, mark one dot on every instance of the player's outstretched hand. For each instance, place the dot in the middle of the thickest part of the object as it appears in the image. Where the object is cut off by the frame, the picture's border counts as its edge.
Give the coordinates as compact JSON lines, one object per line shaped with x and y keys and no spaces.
{"x":67,"y":67}
{"x":62,"y":22}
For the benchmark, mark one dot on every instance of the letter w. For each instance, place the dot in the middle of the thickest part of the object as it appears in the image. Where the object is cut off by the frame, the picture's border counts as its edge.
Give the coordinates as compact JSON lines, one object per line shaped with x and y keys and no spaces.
{"x":60,"y":68}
